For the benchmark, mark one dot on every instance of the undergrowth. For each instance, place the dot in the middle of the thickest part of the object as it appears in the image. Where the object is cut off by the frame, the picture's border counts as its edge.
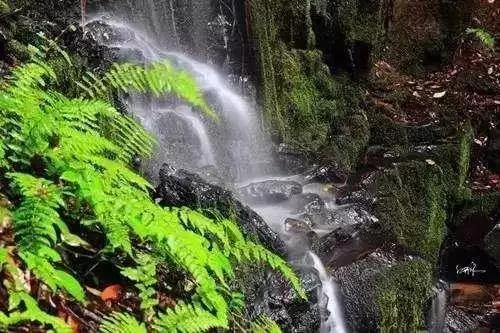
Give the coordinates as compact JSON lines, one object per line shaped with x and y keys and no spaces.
{"x":65,"y":166}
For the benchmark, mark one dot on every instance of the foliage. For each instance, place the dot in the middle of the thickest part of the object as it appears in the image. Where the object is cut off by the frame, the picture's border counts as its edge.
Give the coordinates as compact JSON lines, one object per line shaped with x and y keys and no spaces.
{"x":60,"y":153}
{"x":123,"y":323}
{"x":144,"y":274}
{"x":265,"y":325}
{"x":484,"y":37}
{"x":22,"y":307}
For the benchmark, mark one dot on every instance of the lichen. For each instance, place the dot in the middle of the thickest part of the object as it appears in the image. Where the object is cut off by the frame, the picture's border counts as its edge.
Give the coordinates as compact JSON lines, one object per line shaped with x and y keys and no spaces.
{"x":401,"y":294}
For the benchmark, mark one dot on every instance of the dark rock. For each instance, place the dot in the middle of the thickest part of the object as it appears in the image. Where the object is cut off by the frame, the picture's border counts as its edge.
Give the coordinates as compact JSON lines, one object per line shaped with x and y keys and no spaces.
{"x":307,"y":203}
{"x":380,"y":289}
{"x":277,"y":300}
{"x":331,"y":173}
{"x":347,"y":244}
{"x":493,"y":151}
{"x":291,"y":160}
{"x":456,"y":255}
{"x":269,"y":191}
{"x":460,"y":320}
{"x":182,"y":188}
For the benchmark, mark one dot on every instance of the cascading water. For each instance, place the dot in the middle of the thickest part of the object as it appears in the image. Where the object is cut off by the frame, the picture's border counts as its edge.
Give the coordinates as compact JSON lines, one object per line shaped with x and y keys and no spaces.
{"x":190,"y":140}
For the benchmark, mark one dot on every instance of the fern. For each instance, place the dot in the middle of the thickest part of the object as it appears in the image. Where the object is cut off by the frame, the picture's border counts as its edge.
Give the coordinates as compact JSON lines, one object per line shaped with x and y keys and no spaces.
{"x":188,"y":318}
{"x":119,"y":322}
{"x":34,"y":225}
{"x":144,"y":274}
{"x":83,"y":148}
{"x":20,"y":299}
{"x":31,"y":313}
{"x":159,"y":78}
{"x":265,"y":325}
{"x":483,"y":36}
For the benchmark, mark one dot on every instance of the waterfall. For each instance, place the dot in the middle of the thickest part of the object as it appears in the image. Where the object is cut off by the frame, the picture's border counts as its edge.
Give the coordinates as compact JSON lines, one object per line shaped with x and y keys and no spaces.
{"x":232,"y":143}
{"x":188,"y":139}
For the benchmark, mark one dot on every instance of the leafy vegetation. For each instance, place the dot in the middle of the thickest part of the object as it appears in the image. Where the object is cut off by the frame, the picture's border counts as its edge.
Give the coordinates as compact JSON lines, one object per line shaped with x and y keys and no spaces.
{"x":483,"y":36}
{"x":65,"y":165}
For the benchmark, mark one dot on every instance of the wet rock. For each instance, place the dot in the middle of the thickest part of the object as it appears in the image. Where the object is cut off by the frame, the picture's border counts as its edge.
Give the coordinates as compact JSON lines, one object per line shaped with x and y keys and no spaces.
{"x":297,"y":226}
{"x":330,"y":173}
{"x":347,"y":244}
{"x":269,"y":191}
{"x":182,"y":188}
{"x":291,"y":160}
{"x":459,"y":320}
{"x":349,"y":215}
{"x":307,"y":203}
{"x":362,"y":197}
{"x":275,"y":298}
{"x":381,"y":289}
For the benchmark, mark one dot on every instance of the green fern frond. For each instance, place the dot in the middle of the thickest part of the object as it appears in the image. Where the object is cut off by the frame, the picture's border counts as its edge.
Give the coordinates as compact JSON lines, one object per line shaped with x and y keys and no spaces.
{"x":119,"y":322}
{"x":86,"y":146}
{"x":35,"y":222}
{"x":484,"y":37}
{"x":31,"y":313}
{"x":265,"y":325}
{"x":159,"y":78}
{"x":187,"y":318}
{"x":144,"y":274}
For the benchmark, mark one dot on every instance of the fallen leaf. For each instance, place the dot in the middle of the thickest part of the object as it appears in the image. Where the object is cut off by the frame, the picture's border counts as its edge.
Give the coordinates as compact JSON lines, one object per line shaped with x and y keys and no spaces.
{"x":430,"y":162}
{"x":416,"y":94}
{"x":73,"y":323}
{"x":111,"y":293}
{"x":439,"y":94}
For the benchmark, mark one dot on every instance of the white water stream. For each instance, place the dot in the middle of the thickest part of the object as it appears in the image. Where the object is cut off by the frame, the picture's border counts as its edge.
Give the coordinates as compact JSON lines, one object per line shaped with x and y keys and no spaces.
{"x":230,"y":148}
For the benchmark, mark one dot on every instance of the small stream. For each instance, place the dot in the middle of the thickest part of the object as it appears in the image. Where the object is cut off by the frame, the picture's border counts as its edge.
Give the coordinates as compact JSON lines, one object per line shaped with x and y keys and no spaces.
{"x":234,"y":147}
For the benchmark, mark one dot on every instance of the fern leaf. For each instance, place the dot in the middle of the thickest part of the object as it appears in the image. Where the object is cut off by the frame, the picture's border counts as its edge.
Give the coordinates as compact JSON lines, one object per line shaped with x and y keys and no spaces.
{"x":119,"y":322}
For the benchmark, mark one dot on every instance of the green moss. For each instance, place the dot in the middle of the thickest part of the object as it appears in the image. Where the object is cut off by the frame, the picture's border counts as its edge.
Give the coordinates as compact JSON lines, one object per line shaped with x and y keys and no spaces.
{"x":401,"y":294}
{"x":485,"y":205}
{"x":412,"y":206}
{"x":303,"y":105}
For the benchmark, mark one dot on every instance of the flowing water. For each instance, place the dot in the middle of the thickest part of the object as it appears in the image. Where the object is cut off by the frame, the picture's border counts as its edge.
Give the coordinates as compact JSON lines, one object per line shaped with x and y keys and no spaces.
{"x":190,"y":140}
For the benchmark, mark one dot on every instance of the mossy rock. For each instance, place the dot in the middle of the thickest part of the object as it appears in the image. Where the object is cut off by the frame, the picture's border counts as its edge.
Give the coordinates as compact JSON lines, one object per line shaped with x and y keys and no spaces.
{"x":401,"y":295}
{"x":411,"y":204}
{"x":348,"y":140}
{"x":302,"y":102}
{"x":388,"y":133}
{"x":484,"y":205}
{"x":18,"y":50}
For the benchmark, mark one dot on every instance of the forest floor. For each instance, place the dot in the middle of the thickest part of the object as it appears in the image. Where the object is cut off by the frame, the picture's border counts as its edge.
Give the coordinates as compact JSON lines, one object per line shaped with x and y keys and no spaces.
{"x":466,"y":89}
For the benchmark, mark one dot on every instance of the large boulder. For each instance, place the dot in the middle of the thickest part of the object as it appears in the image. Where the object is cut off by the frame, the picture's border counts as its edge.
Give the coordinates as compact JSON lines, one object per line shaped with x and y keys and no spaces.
{"x":383,"y":292}
{"x":274,"y":298}
{"x":183,"y":188}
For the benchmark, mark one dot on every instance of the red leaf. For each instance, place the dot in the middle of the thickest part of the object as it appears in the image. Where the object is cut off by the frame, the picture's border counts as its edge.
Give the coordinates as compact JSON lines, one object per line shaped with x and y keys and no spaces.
{"x":111,"y":293}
